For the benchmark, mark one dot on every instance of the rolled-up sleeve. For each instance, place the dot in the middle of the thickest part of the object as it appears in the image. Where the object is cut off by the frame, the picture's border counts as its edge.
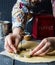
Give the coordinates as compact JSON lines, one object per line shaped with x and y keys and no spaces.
{"x":17,"y":12}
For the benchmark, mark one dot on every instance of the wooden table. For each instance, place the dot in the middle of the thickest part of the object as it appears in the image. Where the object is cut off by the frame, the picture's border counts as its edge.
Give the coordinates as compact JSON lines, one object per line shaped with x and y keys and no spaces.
{"x":4,"y":60}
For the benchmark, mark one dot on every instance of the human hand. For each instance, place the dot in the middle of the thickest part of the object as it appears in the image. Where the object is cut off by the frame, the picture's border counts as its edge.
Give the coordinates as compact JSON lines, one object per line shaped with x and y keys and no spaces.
{"x":11,"y":43}
{"x":43,"y":48}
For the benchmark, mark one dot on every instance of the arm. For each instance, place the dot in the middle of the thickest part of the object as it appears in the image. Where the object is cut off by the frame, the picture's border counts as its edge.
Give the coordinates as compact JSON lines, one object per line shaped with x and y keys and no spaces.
{"x":12,"y":40}
{"x":17,"y":19}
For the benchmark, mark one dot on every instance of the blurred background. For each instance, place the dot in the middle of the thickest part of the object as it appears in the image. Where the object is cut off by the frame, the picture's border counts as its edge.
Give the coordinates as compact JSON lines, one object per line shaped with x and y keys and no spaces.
{"x":5,"y":9}
{"x":5,"y":16}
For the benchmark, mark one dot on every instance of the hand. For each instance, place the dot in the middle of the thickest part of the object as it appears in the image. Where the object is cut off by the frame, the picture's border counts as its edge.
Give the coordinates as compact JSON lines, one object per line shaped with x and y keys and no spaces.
{"x":43,"y":48}
{"x":11,"y":43}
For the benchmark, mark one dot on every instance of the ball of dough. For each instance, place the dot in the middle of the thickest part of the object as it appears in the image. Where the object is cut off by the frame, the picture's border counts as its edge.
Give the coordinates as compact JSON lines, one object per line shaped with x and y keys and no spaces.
{"x":27,"y":37}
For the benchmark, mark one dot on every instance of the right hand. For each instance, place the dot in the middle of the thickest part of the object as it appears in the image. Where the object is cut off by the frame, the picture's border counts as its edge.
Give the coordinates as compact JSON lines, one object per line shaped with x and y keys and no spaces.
{"x":11,"y":43}
{"x":46,"y":45}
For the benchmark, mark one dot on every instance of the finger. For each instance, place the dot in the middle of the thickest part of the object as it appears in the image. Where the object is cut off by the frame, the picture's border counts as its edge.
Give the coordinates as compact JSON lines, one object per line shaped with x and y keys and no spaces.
{"x":38,"y":47}
{"x":11,"y":45}
{"x":44,"y":53}
{"x":9,"y":49}
{"x":16,"y":42}
{"x":5,"y":44}
{"x":42,"y":50}
{"x":6,"y":47}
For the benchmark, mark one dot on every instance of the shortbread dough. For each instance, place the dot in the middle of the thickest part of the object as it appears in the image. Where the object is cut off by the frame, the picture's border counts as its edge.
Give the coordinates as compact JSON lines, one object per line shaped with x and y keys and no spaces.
{"x":29,"y":45}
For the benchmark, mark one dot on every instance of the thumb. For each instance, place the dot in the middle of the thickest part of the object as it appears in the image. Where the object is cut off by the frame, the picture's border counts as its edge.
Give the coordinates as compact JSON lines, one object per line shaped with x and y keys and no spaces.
{"x":16,"y":43}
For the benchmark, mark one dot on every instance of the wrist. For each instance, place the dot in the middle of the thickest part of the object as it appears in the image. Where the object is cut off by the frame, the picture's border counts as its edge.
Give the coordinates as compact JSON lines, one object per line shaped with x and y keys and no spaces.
{"x":17,"y":31}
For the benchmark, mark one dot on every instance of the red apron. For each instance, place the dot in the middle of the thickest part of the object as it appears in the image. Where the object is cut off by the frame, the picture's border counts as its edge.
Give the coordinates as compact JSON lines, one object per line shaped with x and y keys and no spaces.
{"x":43,"y":26}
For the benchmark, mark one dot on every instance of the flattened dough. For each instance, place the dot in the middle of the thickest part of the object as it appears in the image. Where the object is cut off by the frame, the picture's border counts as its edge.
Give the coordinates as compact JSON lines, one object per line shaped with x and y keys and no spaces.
{"x":30,"y":45}
{"x":47,"y":58}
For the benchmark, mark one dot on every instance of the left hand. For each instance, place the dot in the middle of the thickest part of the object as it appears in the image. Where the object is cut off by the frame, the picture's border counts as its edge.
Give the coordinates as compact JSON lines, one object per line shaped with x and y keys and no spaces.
{"x":43,"y":48}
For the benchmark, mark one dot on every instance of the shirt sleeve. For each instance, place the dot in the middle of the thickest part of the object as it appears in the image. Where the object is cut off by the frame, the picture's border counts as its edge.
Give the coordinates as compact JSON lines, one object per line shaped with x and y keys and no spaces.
{"x":17,"y":14}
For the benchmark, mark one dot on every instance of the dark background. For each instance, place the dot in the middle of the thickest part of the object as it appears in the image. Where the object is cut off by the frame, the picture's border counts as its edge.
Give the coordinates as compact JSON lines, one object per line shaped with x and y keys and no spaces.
{"x":5,"y":9}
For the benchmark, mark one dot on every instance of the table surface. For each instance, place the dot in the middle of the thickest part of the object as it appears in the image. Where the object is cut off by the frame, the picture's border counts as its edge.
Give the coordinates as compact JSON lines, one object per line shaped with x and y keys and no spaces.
{"x":4,"y":60}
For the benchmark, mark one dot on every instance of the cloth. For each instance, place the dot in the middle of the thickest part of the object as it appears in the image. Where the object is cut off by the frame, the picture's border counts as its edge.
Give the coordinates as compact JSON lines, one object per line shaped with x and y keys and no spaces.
{"x":19,"y":10}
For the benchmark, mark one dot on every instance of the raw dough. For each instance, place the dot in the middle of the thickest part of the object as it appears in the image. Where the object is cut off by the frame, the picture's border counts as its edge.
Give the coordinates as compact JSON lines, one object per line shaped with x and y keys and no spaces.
{"x":48,"y":58}
{"x":30,"y":45}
